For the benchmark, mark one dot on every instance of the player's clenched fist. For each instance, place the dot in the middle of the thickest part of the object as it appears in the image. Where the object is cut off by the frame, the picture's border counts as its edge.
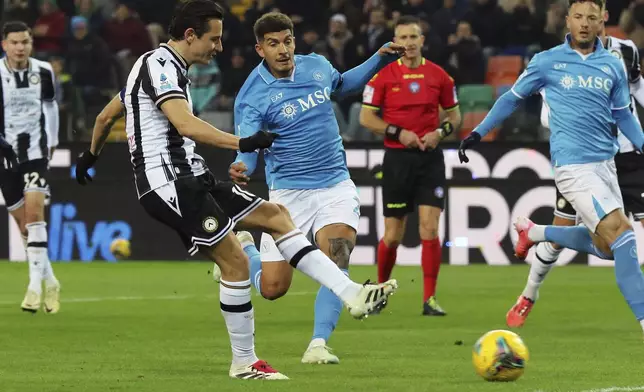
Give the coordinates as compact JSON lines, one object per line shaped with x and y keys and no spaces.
{"x":262,"y":139}
{"x":83,"y":163}
{"x":391,"y":48}
{"x":237,"y":172}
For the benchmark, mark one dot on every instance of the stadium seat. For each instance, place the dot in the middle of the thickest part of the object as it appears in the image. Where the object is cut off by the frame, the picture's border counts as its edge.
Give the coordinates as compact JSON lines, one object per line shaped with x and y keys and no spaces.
{"x":475,"y":97}
{"x":503,"y":70}
{"x":616,"y":31}
{"x":470,"y":121}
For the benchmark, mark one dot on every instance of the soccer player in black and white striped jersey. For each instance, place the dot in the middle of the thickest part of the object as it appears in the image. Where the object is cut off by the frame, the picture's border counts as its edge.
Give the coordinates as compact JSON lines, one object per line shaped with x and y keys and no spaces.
{"x":176,"y":187}
{"x":630,"y":176}
{"x":29,"y":123}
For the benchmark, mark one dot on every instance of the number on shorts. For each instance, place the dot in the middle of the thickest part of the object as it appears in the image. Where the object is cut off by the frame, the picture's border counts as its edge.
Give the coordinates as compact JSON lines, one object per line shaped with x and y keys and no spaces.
{"x":31,"y":180}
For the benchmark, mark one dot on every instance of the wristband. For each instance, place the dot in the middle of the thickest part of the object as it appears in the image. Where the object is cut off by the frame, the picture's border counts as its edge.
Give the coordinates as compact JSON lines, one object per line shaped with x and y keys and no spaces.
{"x":392,"y":132}
{"x":445,"y":129}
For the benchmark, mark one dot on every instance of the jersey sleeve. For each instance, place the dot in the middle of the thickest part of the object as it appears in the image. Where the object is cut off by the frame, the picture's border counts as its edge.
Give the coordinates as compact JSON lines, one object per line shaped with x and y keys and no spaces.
{"x":248,"y":119}
{"x":448,"y":98}
{"x":161,"y":81}
{"x":530,"y":81}
{"x":620,"y":93}
{"x":48,"y":82}
{"x":374,"y":92}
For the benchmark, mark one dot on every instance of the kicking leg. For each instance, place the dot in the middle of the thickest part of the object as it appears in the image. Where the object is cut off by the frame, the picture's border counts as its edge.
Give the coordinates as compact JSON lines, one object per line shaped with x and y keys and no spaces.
{"x":293,"y":245}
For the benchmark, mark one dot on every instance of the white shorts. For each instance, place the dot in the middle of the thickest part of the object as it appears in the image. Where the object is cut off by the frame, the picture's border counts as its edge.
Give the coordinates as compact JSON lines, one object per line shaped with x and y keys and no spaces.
{"x":591,"y":188}
{"x":312,"y":209}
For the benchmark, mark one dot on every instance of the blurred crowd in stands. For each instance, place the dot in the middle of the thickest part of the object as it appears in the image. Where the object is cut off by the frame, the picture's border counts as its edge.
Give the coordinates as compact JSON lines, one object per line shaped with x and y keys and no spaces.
{"x":482,"y":44}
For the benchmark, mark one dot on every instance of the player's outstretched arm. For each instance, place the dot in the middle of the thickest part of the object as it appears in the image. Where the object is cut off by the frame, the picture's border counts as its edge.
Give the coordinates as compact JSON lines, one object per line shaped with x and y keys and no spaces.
{"x":354,"y":80}
{"x":630,"y":128}
{"x":188,"y":125}
{"x":104,"y":122}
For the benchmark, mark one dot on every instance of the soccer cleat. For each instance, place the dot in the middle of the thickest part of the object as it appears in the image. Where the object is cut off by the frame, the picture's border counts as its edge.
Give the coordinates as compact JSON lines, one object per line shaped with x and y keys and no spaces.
{"x":31,"y":303}
{"x":524,"y":243}
{"x":319,"y":354}
{"x":52,"y":299}
{"x":371,"y":299}
{"x":519,"y":313}
{"x":260,"y":370}
{"x":245,"y":238}
{"x":432,"y":308}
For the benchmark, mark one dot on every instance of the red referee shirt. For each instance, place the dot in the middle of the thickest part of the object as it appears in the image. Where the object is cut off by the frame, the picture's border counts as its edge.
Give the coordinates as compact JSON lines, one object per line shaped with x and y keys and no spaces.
{"x":410,"y":97}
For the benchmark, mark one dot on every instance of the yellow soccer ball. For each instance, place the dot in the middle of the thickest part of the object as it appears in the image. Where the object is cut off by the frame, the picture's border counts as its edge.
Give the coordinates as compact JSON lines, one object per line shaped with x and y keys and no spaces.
{"x":120,"y":248}
{"x":500,"y":355}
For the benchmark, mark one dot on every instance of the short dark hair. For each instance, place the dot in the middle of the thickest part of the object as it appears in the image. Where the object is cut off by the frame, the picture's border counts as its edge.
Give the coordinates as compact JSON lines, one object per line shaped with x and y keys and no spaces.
{"x":407,"y":20}
{"x":599,"y":3}
{"x":193,"y":14}
{"x":14,"y":27}
{"x":272,"y":22}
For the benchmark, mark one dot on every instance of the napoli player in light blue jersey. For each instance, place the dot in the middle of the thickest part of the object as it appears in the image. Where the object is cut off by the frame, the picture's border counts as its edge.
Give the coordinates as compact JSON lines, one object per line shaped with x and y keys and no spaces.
{"x":306,"y":169}
{"x":586,"y":91}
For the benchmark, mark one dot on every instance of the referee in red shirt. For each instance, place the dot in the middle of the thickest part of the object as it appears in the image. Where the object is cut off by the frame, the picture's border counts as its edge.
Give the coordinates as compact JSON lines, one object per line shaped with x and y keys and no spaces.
{"x":402,"y":102}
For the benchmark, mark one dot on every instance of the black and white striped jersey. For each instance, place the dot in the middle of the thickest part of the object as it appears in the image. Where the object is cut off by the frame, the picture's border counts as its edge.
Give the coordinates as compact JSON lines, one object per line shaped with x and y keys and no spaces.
{"x":29,"y":112}
{"x":159,"y":153}
{"x":625,"y":50}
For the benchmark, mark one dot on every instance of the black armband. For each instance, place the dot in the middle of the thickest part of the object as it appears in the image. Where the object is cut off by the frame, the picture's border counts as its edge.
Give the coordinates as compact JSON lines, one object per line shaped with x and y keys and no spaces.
{"x":392,"y":132}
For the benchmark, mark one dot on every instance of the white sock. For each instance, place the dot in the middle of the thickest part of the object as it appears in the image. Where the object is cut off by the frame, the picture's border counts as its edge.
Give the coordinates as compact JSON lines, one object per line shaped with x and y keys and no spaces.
{"x":317,"y":342}
{"x":642,"y":324}
{"x":546,"y":256}
{"x":312,"y":262}
{"x":24,"y":241}
{"x":234,"y":300}
{"x":537,"y":233}
{"x":36,"y":254}
{"x":37,"y":234}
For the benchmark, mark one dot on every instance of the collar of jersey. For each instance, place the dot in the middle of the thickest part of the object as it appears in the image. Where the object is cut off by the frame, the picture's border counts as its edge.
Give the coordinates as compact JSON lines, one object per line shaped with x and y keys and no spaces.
{"x":268,"y":76}
{"x":176,"y":55}
{"x":598,"y":45}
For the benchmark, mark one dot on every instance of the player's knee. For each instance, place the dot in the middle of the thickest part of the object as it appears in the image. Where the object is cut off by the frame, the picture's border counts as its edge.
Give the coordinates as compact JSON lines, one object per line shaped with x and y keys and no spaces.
{"x":393,"y":236}
{"x":274,"y":290}
{"x":428,"y":231}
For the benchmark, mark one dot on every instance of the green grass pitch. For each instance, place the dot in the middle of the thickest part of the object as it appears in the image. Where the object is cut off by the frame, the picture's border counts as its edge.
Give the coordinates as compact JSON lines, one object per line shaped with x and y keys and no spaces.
{"x":157,"y":327}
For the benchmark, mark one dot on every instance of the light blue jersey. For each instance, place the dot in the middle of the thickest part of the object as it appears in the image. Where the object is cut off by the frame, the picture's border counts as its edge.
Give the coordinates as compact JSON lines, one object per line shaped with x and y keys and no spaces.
{"x":309,"y":153}
{"x":580,"y":93}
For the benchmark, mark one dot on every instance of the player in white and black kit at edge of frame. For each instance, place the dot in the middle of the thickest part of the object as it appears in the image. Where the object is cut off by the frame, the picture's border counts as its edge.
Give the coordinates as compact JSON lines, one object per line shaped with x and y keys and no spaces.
{"x":29,"y":130}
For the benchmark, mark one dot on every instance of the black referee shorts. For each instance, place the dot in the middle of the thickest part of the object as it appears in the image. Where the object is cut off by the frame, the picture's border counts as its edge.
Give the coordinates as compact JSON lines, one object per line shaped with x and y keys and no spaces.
{"x":630,"y":175}
{"x":202,"y":210}
{"x":412,"y":177}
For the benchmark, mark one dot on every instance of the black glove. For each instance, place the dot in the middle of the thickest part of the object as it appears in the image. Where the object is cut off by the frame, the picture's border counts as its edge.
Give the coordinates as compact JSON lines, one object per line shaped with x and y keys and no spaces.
{"x":472,"y":139}
{"x":83,"y":163}
{"x":262,"y":139}
{"x":8,"y":155}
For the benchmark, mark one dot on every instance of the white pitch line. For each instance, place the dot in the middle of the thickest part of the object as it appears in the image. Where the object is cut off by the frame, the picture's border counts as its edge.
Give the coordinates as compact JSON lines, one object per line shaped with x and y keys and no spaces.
{"x":142,"y":298}
{"x":617,"y":389}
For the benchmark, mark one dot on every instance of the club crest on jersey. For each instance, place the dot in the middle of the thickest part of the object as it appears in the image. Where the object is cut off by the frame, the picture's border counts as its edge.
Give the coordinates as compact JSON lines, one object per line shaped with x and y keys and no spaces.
{"x":414,"y":87}
{"x":616,"y":53}
{"x":317,"y":75}
{"x":34,"y":78}
{"x":288,"y":111}
{"x":607,"y":70}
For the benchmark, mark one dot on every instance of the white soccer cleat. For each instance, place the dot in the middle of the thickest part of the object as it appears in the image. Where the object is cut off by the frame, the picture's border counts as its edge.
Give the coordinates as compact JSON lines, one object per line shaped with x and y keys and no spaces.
{"x":52,"y":299}
{"x":245,"y":238}
{"x":259,"y":370}
{"x":31,"y":303}
{"x":371,"y":298}
{"x":319,"y":354}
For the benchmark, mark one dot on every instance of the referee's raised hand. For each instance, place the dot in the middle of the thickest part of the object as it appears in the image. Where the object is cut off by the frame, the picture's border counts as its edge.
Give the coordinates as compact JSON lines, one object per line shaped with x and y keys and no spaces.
{"x":8,"y":155}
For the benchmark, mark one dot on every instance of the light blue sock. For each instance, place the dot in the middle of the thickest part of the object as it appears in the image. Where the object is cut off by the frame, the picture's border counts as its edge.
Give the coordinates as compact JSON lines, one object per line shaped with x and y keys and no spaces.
{"x":327,"y":312}
{"x":628,"y":272}
{"x":574,"y":237}
{"x":255,"y":266}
